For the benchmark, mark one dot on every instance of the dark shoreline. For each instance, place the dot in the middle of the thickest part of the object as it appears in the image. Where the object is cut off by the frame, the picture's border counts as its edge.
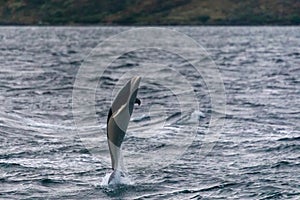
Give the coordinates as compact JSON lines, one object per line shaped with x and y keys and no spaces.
{"x":147,"y":25}
{"x":149,"y":13}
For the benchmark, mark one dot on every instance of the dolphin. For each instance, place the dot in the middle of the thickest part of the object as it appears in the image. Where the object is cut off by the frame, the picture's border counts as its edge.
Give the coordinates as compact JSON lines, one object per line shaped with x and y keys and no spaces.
{"x":117,"y":122}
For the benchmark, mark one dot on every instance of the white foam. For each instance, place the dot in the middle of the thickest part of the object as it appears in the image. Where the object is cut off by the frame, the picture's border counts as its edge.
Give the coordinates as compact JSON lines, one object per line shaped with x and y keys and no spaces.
{"x":119,"y":178}
{"x":196,"y":115}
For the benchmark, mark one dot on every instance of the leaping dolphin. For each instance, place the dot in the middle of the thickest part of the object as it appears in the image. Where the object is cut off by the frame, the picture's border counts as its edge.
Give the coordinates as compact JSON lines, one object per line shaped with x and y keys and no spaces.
{"x":117,"y":122}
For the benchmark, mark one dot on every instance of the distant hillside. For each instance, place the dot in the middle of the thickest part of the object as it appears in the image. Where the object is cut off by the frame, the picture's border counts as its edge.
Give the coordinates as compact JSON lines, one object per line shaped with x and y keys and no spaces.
{"x":150,"y":12}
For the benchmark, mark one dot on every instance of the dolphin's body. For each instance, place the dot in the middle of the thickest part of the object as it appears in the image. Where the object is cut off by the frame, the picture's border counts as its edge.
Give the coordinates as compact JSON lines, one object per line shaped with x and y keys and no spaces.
{"x":117,"y":123}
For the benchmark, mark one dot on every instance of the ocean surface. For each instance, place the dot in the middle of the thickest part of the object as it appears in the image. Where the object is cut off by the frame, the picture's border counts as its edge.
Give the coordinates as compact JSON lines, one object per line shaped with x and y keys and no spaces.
{"x":50,"y":149}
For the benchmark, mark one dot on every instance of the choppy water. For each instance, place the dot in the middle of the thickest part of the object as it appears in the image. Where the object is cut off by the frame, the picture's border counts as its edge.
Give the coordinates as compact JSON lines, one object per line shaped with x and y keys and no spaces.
{"x":42,"y":153}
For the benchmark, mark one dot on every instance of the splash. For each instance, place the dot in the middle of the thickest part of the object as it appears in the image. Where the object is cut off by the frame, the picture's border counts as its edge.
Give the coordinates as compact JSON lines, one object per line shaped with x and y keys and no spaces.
{"x":116,"y":177}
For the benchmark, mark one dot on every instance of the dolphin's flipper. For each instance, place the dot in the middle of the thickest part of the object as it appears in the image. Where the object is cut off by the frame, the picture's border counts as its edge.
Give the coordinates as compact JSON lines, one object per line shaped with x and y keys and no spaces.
{"x":118,"y":119}
{"x":138,"y":101}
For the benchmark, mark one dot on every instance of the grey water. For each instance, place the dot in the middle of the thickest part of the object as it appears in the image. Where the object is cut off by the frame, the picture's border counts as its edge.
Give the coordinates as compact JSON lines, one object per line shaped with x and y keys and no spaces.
{"x":44,"y":154}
